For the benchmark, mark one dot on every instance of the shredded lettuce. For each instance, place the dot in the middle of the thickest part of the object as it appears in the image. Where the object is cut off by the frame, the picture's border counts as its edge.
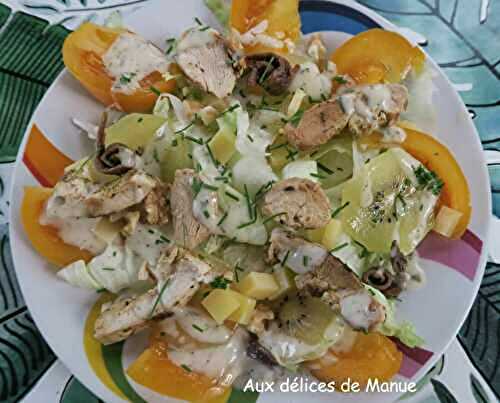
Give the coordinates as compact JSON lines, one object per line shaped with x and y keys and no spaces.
{"x":404,"y":331}
{"x":115,"y":269}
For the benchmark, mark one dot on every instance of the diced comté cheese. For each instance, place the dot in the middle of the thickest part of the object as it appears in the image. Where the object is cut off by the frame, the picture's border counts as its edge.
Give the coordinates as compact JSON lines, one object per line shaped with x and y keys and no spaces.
{"x":258,"y":285}
{"x":220,"y":304}
{"x":446,"y":221}
{"x":222,"y":145}
{"x":245,"y":311}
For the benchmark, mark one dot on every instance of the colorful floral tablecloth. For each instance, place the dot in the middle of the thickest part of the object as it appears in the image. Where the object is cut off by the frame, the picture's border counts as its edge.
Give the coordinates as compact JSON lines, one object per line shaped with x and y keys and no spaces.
{"x":463,"y":36}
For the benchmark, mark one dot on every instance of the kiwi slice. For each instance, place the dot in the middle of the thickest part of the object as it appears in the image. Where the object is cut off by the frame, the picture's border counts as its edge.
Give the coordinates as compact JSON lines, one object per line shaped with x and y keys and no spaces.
{"x":305,"y":318}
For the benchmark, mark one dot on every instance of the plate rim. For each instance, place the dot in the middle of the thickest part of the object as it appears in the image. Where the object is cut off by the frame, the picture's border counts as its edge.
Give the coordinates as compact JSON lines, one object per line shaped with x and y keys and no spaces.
{"x":385,"y":24}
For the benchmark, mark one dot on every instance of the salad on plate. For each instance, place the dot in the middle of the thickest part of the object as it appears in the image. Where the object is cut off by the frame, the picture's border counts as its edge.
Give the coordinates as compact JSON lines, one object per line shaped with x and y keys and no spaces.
{"x":253,"y":201}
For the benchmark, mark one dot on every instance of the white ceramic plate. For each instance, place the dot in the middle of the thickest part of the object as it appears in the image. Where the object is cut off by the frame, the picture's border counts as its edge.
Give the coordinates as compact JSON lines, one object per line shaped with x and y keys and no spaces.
{"x":454,"y":269}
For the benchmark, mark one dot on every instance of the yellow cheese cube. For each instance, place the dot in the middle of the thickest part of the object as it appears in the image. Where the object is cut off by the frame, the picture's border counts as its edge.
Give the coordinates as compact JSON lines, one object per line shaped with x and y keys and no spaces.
{"x":222,"y":145}
{"x":258,"y":285}
{"x":331,"y":234}
{"x":446,"y":221}
{"x":247,"y":305}
{"x":220,"y":304}
{"x":285,"y":279}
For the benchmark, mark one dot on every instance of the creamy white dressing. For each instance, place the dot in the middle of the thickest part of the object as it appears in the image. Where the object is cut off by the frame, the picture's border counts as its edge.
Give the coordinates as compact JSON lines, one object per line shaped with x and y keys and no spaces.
{"x":304,"y":258}
{"x":355,"y":309}
{"x":372,"y":100}
{"x":196,"y":38}
{"x":201,"y":327}
{"x":256,"y":35}
{"x":76,"y":231}
{"x":149,"y":242}
{"x":315,"y":84}
{"x":206,"y":210}
{"x":130,"y":59}
{"x":393,"y":134}
{"x":223,"y":363}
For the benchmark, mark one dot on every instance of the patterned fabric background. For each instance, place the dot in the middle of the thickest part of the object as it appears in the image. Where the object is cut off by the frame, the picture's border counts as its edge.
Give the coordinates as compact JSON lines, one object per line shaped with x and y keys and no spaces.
{"x":462,"y":36}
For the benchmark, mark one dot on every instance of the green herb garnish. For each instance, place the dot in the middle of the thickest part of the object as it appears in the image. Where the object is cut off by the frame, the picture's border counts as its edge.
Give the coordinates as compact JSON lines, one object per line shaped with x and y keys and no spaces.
{"x":220,"y":282}
{"x":339,"y":209}
{"x":341,"y":246}
{"x":159,"y":298}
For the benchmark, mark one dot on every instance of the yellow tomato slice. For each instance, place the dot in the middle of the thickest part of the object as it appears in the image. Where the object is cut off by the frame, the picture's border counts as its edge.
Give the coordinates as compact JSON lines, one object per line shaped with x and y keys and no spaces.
{"x":436,"y":157}
{"x":82,"y":54}
{"x":155,"y":371}
{"x":44,"y":238}
{"x":282,"y":17}
{"x":376,"y":56}
{"x":373,"y":356}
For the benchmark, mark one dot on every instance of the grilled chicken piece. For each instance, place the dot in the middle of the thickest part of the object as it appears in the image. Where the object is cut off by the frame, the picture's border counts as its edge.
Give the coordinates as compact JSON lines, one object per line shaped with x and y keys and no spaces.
{"x":337,"y":285}
{"x":128,"y":190}
{"x":68,"y":198}
{"x":155,"y":206}
{"x":362,"y":109}
{"x":328,"y":278}
{"x":188,"y":232}
{"x":297,"y":203}
{"x":181,"y":279}
{"x":205,"y":58}
{"x":286,"y":244}
{"x":259,"y":319}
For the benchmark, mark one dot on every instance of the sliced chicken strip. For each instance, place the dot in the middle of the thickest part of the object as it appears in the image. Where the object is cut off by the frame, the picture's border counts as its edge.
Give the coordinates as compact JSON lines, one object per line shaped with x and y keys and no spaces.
{"x":204,"y":56}
{"x":337,"y":285}
{"x":155,"y":206}
{"x":115,"y":196}
{"x":181,"y":279}
{"x":297,"y":203}
{"x":328,"y":278}
{"x":68,"y":198}
{"x":188,"y":232}
{"x":362,"y":109}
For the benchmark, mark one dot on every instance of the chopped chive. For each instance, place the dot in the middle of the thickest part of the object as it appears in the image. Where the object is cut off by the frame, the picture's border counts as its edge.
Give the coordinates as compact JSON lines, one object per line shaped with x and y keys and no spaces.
{"x":214,"y":161}
{"x":305,"y":260}
{"x":100,"y":290}
{"x":324,"y":168}
{"x":174,"y":143}
{"x":156,"y":91}
{"x":283,"y":262}
{"x":184,"y":128}
{"x":341,"y":246}
{"x":339,"y":209}
{"x":204,"y":28}
{"x":340,"y":79}
{"x":198,"y":21}
{"x":209,"y":187}
{"x":222,"y":219}
{"x":315,"y":175}
{"x":247,"y":224}
{"x":196,"y":186}
{"x":206,"y":214}
{"x":151,"y":231}
{"x":228,"y":194}
{"x":230,"y":109}
{"x":155,"y":155}
{"x":163,"y":238}
{"x":250,"y":138}
{"x":159,"y":297}
{"x":292,"y":154}
{"x":264,"y":75}
{"x":194,"y":140}
{"x":108,"y":269}
{"x":224,"y":179}
{"x":273,"y":216}
{"x":184,"y":366}
{"x":249,"y":202}
{"x":198,"y":328}
{"x":276,"y":146}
